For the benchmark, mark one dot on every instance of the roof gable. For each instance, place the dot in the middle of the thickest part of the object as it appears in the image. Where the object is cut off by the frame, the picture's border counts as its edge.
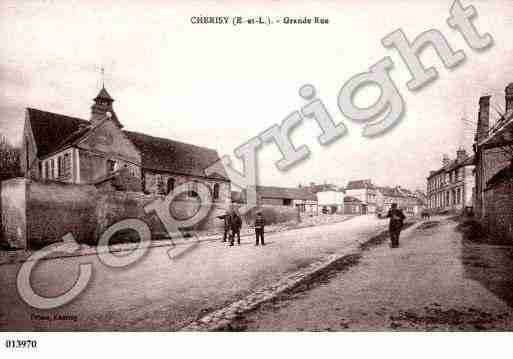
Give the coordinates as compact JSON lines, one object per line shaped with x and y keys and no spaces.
{"x":50,"y":129}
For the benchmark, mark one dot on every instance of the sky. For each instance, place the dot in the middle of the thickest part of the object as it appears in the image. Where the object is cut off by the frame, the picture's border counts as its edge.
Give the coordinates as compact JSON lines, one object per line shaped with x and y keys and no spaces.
{"x":220,"y":85}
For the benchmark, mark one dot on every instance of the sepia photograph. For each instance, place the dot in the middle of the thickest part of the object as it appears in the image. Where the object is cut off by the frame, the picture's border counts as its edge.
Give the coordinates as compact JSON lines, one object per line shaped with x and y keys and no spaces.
{"x":174,"y":169}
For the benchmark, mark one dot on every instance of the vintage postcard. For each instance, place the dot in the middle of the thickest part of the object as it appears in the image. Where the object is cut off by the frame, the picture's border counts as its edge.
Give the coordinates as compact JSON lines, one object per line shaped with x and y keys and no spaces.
{"x":262,"y":166}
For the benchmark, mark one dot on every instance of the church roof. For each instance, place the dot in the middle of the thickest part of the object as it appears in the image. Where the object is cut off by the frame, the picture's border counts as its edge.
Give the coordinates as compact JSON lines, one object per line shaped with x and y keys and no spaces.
{"x":53,"y":132}
{"x":162,"y":154}
{"x":50,"y":129}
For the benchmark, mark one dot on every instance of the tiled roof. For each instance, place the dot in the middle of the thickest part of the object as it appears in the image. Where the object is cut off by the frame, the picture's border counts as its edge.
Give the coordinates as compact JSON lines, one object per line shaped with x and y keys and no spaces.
{"x":470,"y":160}
{"x":360,"y":184}
{"x":161,"y":154}
{"x":54,"y":131}
{"x":390,"y":192}
{"x":322,"y":188}
{"x":51,"y":129}
{"x":351,"y":199}
{"x":287,"y":193}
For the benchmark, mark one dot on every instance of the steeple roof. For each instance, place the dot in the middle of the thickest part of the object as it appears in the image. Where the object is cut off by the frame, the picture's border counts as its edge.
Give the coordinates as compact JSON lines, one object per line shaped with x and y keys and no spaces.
{"x":103,"y":95}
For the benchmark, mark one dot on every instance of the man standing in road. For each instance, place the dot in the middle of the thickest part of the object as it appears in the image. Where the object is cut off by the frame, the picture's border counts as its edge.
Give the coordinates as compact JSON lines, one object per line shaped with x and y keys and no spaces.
{"x":235,"y":224}
{"x":396,"y":224}
{"x":259,"y":229}
{"x":226,"y":224}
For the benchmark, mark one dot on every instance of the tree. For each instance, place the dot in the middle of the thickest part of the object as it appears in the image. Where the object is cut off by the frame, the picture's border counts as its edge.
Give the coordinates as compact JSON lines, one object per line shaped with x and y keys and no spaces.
{"x":9,"y":160}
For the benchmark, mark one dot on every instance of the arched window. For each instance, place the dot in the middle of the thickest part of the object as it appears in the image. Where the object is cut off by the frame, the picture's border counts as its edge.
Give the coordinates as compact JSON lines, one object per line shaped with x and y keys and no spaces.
{"x":170,"y":185}
{"x":216,"y":191}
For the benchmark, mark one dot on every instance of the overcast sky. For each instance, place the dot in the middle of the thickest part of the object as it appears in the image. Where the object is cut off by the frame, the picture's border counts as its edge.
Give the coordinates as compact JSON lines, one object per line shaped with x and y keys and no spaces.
{"x":219,"y":85}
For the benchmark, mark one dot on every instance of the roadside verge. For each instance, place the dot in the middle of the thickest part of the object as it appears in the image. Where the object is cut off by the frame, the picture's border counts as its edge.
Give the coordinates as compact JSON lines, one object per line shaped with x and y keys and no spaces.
{"x":221,"y":319}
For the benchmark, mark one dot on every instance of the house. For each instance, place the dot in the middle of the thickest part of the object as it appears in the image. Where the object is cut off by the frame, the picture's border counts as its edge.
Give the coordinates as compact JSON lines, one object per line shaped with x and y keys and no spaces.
{"x":300,"y":198}
{"x":450,"y":188}
{"x":410,"y":202}
{"x":331,"y":200}
{"x":493,"y":149}
{"x":366,"y":192}
{"x":353,"y":205}
{"x":386,"y":196}
{"x":74,"y":150}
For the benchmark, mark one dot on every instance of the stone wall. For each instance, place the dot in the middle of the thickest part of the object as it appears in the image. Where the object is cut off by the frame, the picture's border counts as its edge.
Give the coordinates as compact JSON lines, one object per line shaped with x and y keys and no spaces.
{"x":34,"y":214}
{"x":272,"y":214}
{"x":498,"y":217}
{"x":113,"y":207}
{"x":54,"y":209}
{"x":13,"y":221}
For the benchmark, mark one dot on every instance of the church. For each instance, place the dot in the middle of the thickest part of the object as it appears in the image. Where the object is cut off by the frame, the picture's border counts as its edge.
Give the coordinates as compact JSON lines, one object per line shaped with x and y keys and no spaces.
{"x":74,"y":150}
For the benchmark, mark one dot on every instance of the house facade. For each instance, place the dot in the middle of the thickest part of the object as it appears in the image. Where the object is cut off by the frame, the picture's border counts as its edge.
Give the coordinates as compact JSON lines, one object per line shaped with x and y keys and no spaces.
{"x":366,"y":192}
{"x":331,"y":201}
{"x":73,"y":150}
{"x":353,"y":205}
{"x":493,"y":149}
{"x":451,"y":187}
{"x":301,"y":198}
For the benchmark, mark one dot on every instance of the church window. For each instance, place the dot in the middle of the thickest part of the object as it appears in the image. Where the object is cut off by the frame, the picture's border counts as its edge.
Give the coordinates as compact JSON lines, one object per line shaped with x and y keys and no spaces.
{"x":216,"y":191}
{"x":111,"y":166}
{"x":170,"y":185}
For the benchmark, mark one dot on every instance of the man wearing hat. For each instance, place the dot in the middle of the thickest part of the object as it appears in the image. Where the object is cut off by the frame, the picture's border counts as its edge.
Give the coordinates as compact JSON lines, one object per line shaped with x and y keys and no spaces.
{"x":259,"y":229}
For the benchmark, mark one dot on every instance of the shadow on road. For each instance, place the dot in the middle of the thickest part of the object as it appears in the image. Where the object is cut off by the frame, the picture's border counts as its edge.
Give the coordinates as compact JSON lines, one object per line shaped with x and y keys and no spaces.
{"x":491,"y":266}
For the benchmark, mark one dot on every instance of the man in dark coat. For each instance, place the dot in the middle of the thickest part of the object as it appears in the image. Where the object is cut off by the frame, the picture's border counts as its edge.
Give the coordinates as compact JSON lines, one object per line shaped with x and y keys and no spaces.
{"x":259,"y":229}
{"x":235,"y":226}
{"x":396,"y":224}
{"x":226,"y":224}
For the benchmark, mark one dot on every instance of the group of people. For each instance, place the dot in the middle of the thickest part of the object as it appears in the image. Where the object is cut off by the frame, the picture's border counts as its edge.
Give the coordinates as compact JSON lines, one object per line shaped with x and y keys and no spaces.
{"x":233,"y":224}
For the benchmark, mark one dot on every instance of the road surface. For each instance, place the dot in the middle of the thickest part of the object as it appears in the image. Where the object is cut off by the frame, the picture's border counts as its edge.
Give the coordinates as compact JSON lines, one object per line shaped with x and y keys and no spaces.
{"x":434,"y":281}
{"x":159,"y":294}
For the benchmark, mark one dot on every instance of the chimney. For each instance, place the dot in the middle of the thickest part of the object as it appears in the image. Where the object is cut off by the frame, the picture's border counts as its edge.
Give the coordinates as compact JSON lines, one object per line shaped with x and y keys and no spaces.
{"x":483,"y":118}
{"x":461,"y":155}
{"x":509,"y":97}
{"x":445,"y":160}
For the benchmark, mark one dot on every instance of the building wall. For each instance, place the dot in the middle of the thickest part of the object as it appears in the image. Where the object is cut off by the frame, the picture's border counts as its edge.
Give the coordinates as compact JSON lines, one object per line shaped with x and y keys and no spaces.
{"x":498,"y":216}
{"x":28,"y":155}
{"x":367,"y":196}
{"x":157,"y":183}
{"x":111,"y":142}
{"x":93,"y":166}
{"x":330,"y":198}
{"x":352,"y":208}
{"x":489,"y":162}
{"x":455,"y":194}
